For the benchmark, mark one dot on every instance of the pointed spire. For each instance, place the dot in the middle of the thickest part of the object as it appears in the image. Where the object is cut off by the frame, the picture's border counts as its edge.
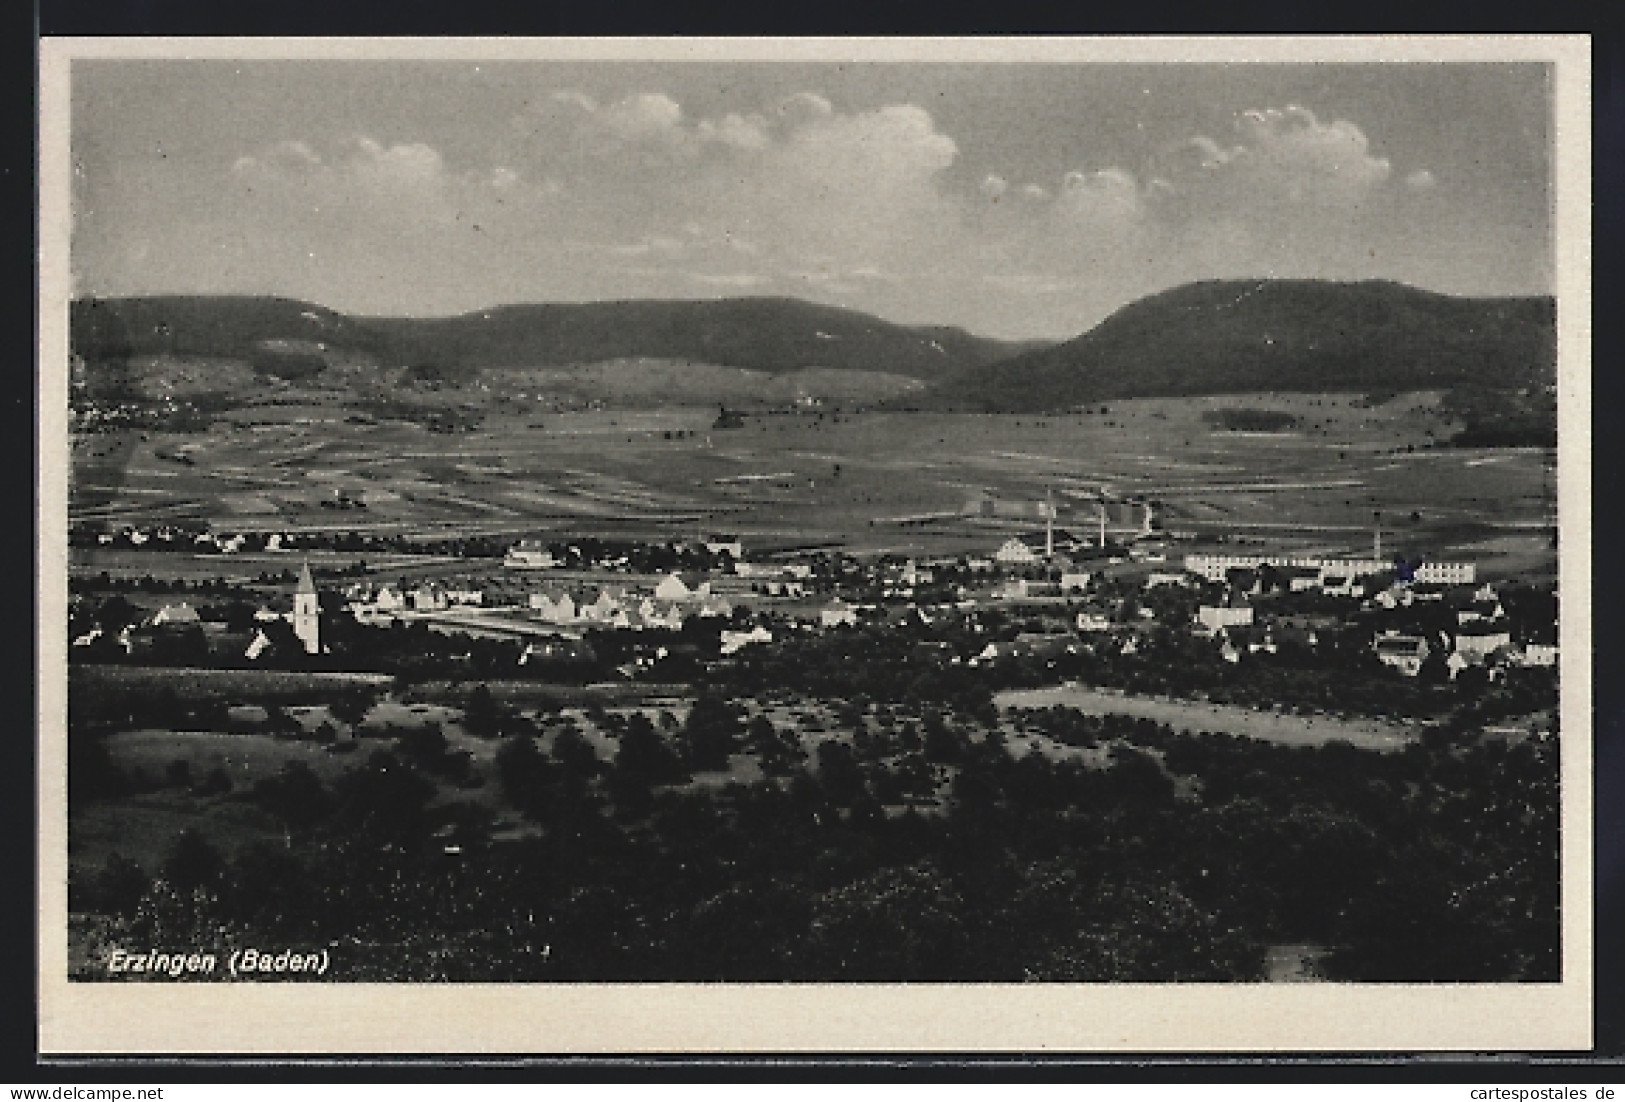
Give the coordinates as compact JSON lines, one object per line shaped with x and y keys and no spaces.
{"x":306,"y":583}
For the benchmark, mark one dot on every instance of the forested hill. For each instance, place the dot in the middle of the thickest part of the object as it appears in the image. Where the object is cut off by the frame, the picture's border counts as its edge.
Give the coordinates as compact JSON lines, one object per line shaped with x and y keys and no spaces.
{"x":1235,"y":336}
{"x":764,"y":334}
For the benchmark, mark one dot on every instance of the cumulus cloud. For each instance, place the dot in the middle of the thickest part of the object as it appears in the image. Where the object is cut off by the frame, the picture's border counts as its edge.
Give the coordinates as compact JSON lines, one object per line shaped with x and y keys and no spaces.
{"x":406,"y":180}
{"x":1281,"y":154}
{"x":645,"y":195}
{"x":1109,"y":196}
{"x":764,"y":187}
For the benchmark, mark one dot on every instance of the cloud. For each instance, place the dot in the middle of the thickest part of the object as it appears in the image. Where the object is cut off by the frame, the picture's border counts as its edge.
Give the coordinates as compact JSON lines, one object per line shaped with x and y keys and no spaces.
{"x":643,"y":195}
{"x":764,"y":188}
{"x":1108,"y":197}
{"x":1286,"y":154}
{"x":362,"y":176}
{"x":1421,"y":180}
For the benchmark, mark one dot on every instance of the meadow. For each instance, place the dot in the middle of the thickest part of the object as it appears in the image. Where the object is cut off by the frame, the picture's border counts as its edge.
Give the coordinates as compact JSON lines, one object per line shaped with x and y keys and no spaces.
{"x":868,"y":480}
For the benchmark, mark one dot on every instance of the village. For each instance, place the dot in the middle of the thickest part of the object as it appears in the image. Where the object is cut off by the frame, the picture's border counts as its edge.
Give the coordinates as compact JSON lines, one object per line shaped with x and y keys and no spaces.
{"x":1046,"y":594}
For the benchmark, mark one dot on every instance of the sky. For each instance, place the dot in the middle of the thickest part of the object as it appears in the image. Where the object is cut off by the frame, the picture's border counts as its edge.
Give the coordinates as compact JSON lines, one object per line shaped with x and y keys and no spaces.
{"x":1018,"y":200}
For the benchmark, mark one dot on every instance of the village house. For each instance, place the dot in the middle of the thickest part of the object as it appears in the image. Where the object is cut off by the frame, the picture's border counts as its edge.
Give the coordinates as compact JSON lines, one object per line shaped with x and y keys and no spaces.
{"x":1074,"y":581}
{"x":725,"y":545}
{"x":1395,"y":596}
{"x":1091,"y":621}
{"x":682,"y":587}
{"x":553,"y":605}
{"x":1477,"y":641}
{"x":527,"y":555}
{"x":1537,"y":655}
{"x":428,"y":598}
{"x":838,"y":613}
{"x":713,"y":604}
{"x":1234,"y":611}
{"x":175,"y":614}
{"x":1015,"y":552}
{"x":733,"y":641}
{"x":1338,"y":585}
{"x":1405,"y":653}
{"x":464,"y":596}
{"x":659,"y":615}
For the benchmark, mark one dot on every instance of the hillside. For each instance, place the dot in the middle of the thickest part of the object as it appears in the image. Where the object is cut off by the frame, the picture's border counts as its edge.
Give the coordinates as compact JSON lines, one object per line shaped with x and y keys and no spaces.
{"x":1235,"y":336}
{"x":288,"y":338}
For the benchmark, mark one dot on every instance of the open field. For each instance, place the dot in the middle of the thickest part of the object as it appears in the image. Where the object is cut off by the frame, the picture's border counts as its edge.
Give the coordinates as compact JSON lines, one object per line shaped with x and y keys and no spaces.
{"x":1193,"y":716}
{"x":869,"y":481}
{"x":88,"y":682}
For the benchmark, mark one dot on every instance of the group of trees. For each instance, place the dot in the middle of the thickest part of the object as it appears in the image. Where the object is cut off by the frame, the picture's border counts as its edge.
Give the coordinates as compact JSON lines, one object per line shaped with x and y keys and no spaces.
{"x":915,"y":850}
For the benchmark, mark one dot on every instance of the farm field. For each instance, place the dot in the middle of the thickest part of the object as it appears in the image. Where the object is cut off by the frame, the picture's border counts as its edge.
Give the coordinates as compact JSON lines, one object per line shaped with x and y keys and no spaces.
{"x":870,"y":481}
{"x":1193,"y":716}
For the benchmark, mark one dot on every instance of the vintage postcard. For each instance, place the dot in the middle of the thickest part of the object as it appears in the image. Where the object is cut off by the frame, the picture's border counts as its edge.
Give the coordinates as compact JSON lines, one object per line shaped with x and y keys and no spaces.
{"x":691,"y":546}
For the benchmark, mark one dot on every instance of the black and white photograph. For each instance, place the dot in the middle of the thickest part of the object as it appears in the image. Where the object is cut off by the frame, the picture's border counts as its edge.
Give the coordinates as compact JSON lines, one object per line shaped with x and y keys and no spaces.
{"x":944,"y":523}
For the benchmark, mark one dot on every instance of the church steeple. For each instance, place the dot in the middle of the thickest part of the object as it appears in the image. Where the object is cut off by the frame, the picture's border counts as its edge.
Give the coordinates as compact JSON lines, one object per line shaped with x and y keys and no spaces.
{"x":307,"y":611}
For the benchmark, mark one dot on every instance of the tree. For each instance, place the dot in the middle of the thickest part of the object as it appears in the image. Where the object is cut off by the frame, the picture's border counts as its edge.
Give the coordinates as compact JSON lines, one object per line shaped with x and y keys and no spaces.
{"x":295,"y":795}
{"x":114,"y":889}
{"x":839,"y":773}
{"x":216,"y":782}
{"x":385,"y":795}
{"x":193,"y":863}
{"x":575,"y":755}
{"x":482,"y":715}
{"x":711,"y":734}
{"x":425,"y":747}
{"x":645,"y":757}
{"x":524,"y":774}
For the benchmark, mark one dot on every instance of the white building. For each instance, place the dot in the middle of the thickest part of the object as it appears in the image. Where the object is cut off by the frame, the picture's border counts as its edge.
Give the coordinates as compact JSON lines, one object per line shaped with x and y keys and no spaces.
{"x":181,"y":613}
{"x":1538,"y":654}
{"x":529,"y":556}
{"x":555,"y":606}
{"x":1014,"y":552}
{"x":1075,"y":581}
{"x":675,"y":587}
{"x":428,"y":598}
{"x":1214,"y":567}
{"x":1093,"y":622}
{"x":733,"y":641}
{"x":1405,"y":653}
{"x":1476,"y":642}
{"x":1234,"y":612}
{"x":838,"y":614}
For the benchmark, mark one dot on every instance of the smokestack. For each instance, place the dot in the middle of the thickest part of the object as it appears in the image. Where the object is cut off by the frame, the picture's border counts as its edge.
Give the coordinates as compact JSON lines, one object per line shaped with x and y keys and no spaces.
{"x":1376,"y":538}
{"x":1049,"y":524}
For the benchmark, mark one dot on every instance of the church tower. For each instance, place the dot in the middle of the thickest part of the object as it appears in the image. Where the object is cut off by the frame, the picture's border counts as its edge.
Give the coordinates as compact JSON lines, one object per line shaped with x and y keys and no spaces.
{"x":307,"y":612}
